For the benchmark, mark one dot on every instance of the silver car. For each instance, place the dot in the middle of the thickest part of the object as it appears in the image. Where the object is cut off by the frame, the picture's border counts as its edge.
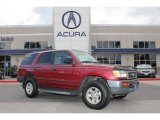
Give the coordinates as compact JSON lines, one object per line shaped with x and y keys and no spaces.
{"x":145,"y":70}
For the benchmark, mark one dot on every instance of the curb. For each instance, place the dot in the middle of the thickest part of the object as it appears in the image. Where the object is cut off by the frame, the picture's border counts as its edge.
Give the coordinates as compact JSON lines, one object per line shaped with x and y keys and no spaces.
{"x":8,"y":81}
{"x":148,"y":79}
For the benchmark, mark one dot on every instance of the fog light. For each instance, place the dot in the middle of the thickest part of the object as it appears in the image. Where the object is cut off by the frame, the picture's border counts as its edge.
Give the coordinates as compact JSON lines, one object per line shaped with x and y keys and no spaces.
{"x":125,"y":84}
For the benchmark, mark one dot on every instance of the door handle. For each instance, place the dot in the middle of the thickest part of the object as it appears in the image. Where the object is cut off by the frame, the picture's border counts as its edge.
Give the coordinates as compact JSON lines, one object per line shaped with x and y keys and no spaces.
{"x":53,"y":68}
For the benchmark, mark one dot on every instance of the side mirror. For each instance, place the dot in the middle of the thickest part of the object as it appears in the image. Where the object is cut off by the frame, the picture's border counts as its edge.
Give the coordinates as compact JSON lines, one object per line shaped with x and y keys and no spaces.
{"x":68,"y":61}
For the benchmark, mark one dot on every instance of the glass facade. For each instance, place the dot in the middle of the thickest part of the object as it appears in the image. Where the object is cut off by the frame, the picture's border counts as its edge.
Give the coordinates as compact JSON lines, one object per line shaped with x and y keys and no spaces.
{"x":144,"y":44}
{"x":35,"y":45}
{"x":5,"y":45}
{"x":5,"y":63}
{"x":145,"y":59}
{"x":109,"y":58}
{"x":108,"y":44}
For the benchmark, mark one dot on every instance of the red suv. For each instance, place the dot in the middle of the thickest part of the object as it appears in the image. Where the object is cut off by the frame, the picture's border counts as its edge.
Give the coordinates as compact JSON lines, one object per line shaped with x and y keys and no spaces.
{"x":72,"y":72}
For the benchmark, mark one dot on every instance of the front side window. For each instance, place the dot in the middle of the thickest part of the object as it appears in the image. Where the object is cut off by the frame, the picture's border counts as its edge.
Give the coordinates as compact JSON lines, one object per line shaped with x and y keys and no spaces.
{"x":60,"y":56}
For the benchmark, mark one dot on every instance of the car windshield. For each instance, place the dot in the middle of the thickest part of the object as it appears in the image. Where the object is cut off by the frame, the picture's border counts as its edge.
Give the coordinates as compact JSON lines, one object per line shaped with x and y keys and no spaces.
{"x":84,"y":57}
{"x":144,"y":66}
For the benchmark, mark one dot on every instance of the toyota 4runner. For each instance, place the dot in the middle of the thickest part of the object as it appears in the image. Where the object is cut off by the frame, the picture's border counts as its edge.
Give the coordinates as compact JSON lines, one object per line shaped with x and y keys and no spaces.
{"x":72,"y":72}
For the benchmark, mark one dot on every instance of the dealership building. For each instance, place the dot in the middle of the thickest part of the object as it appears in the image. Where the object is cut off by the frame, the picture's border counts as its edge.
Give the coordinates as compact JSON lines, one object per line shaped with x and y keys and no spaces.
{"x":126,"y":45}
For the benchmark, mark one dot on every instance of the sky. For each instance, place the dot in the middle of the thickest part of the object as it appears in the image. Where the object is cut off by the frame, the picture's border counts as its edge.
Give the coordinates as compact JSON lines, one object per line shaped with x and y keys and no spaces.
{"x":99,"y":15}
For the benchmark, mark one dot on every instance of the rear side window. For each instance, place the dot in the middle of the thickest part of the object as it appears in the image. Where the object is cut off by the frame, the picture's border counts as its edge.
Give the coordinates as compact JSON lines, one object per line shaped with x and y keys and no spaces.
{"x":28,"y":59}
{"x":45,"y":58}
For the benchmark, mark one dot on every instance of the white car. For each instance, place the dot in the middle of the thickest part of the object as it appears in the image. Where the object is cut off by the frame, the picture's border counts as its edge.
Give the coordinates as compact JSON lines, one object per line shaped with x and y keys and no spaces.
{"x":145,"y":70}
{"x":1,"y":75}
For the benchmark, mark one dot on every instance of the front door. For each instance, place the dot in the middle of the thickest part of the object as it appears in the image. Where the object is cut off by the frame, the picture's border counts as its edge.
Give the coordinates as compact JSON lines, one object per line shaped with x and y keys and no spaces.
{"x":64,"y":75}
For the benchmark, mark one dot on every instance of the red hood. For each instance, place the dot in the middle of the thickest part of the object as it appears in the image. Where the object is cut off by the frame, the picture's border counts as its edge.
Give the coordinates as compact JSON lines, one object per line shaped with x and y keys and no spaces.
{"x":99,"y":65}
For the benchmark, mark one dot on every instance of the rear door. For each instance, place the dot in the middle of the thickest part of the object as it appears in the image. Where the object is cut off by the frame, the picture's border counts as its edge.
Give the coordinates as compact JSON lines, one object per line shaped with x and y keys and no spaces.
{"x":43,"y":69}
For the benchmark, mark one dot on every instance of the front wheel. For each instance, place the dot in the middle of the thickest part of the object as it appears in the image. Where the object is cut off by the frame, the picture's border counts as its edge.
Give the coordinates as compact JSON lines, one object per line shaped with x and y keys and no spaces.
{"x":153,"y":76}
{"x":96,"y":95}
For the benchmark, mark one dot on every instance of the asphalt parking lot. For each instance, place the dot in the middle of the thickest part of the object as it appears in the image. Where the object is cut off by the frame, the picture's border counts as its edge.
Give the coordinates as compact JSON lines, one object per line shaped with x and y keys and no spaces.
{"x":13,"y":100}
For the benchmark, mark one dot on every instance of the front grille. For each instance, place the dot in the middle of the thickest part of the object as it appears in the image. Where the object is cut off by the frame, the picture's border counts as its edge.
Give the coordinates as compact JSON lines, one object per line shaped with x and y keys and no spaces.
{"x":132,"y":75}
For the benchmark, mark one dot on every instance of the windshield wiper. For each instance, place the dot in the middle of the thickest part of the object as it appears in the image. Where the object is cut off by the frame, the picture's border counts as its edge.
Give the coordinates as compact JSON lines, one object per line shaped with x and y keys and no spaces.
{"x":88,"y":62}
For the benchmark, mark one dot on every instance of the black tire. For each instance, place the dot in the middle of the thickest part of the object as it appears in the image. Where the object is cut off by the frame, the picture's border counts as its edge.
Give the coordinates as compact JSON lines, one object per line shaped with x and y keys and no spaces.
{"x":30,"y":82}
{"x":119,"y":97}
{"x":2,"y":76}
{"x":153,"y":76}
{"x":103,"y":90}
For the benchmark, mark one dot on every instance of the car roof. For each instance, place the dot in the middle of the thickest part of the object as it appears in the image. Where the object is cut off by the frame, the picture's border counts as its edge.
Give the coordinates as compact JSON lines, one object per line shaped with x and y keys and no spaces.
{"x":49,"y":51}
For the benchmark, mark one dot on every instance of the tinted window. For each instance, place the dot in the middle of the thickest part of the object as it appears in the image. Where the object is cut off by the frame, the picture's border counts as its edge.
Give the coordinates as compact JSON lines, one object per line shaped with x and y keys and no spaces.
{"x":141,"y":44}
{"x":99,"y":44}
{"x":28,"y":59}
{"x":60,"y":56}
{"x":146,"y":44}
{"x":135,"y":45}
{"x":105,"y":44}
{"x":117,"y":44}
{"x":152,"y":45}
{"x":45,"y":58}
{"x":111,"y":44}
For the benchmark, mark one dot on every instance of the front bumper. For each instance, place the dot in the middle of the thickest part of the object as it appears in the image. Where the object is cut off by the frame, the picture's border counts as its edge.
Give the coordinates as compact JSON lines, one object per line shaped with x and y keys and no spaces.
{"x":145,"y":74}
{"x":117,"y":88}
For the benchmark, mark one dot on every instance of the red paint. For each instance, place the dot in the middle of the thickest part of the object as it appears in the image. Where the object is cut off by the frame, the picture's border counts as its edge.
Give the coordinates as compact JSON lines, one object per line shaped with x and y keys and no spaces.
{"x":65,"y":75}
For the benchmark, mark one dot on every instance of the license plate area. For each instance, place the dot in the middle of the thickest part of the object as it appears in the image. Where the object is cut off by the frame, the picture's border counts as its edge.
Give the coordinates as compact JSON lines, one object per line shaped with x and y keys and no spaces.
{"x":145,"y":73}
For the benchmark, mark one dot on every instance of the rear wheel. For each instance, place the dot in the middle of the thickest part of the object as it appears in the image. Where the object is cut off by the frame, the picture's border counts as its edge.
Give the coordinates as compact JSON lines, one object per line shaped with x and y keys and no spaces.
{"x":96,"y":95}
{"x":31,"y":88}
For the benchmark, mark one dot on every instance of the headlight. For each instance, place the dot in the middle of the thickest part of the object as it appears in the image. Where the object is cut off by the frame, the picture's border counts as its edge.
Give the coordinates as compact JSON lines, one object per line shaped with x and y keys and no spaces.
{"x":120,"y":73}
{"x":153,"y":71}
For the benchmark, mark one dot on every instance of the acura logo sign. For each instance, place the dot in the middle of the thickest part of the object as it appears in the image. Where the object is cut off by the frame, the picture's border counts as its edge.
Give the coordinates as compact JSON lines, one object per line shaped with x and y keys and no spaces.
{"x":71,"y":19}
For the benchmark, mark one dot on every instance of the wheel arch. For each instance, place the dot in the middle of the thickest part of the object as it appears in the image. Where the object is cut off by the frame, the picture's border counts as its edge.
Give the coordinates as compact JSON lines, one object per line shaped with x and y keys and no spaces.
{"x":92,"y":78}
{"x":29,"y":75}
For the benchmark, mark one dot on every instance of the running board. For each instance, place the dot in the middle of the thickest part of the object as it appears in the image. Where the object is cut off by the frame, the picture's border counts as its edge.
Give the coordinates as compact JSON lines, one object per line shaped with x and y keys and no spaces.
{"x":54,"y":91}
